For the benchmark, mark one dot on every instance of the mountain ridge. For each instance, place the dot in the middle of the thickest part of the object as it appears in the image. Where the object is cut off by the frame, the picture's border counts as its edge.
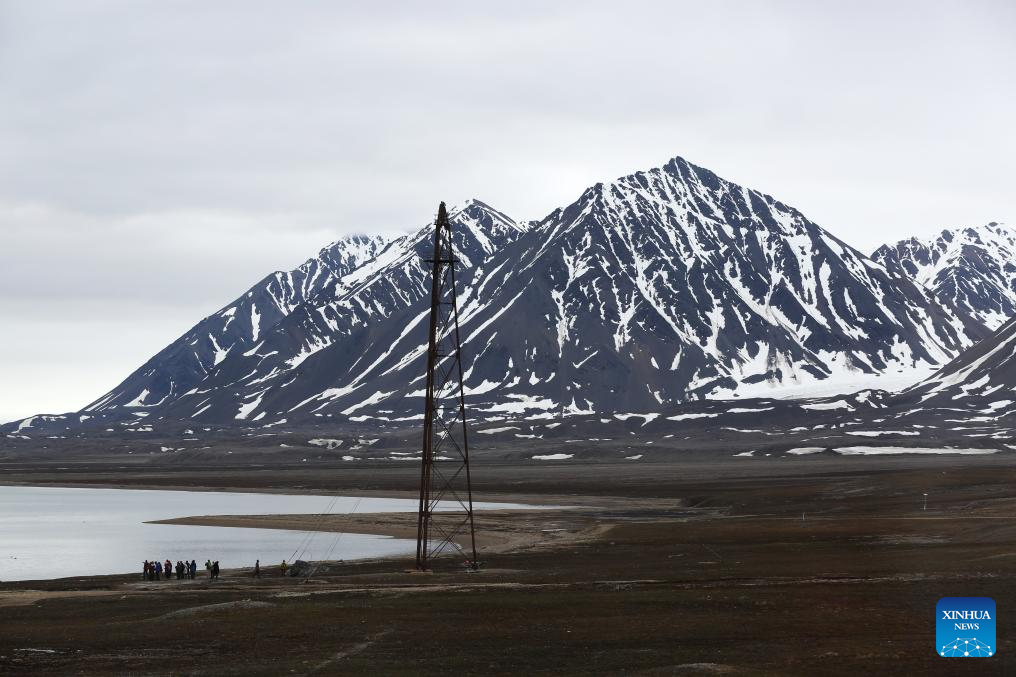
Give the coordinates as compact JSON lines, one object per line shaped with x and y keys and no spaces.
{"x":660,"y":287}
{"x":972,"y":269}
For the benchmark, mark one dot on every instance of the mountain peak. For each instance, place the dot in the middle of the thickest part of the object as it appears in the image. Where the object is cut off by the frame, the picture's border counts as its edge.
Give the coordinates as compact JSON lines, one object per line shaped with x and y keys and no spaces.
{"x":665,"y":285}
{"x":347,"y":253}
{"x":971,"y":268}
{"x":684,"y":195}
{"x":478,"y":211}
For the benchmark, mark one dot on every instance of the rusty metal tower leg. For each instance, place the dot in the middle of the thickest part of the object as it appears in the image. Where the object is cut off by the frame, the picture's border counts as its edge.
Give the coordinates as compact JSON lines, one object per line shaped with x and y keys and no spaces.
{"x":444,"y":473}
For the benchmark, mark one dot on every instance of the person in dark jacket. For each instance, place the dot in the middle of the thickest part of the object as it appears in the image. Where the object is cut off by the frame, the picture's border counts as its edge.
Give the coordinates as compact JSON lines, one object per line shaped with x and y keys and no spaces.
{"x":193,"y":569}
{"x":215,"y":570}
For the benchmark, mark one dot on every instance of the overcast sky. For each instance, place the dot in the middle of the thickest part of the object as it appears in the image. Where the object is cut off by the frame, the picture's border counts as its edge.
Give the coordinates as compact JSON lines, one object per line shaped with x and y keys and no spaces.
{"x":158,"y":158}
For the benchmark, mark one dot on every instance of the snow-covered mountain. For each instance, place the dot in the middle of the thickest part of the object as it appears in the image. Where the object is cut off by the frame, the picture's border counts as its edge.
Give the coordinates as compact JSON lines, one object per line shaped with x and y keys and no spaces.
{"x":981,"y":381}
{"x":973,"y":270}
{"x":674,"y":284}
{"x":189,"y":360}
{"x":323,"y":333}
{"x":659,"y":287}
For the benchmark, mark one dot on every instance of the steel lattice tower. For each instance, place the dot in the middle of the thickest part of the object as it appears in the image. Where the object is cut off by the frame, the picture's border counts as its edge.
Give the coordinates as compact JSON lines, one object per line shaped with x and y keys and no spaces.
{"x":444,"y":474}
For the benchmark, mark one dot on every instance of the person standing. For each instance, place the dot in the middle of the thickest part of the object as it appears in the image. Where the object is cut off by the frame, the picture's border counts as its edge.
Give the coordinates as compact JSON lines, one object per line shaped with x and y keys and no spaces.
{"x":158,"y":571}
{"x":283,"y":567}
{"x":144,"y":570}
{"x":193,"y":569}
{"x":257,"y":569}
{"x":169,"y":570}
{"x":215,"y":570}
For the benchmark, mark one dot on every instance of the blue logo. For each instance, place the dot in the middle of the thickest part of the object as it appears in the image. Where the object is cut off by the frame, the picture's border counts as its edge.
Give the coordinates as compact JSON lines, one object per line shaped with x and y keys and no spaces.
{"x":965,"y":627}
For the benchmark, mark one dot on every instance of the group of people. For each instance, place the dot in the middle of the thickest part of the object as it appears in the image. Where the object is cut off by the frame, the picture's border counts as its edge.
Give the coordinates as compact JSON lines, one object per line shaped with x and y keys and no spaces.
{"x":156,"y":570}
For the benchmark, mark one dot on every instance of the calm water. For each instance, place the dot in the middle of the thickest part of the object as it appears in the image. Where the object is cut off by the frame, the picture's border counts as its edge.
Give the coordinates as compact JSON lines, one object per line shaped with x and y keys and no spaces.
{"x":48,"y":532}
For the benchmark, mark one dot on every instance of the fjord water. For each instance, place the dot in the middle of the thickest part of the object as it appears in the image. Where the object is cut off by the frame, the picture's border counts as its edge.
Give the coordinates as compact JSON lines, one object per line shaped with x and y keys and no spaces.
{"x":51,"y":532}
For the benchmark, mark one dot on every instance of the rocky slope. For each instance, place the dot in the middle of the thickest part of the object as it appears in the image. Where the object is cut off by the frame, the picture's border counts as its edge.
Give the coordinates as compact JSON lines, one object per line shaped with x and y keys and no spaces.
{"x":190,"y":359}
{"x":973,"y":270}
{"x":658,"y":288}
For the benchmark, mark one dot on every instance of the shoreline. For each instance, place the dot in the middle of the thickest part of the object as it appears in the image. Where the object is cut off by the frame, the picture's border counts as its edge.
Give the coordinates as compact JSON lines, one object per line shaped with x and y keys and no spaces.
{"x":497,"y":530}
{"x":658,"y":556}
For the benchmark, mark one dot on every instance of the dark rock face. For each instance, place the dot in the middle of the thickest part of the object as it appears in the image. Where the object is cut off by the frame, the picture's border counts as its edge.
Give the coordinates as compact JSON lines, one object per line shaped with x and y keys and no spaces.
{"x":674,"y":284}
{"x":658,"y":288}
{"x":192,"y":358}
{"x":981,"y":382}
{"x":972,"y":270}
{"x":320,"y":313}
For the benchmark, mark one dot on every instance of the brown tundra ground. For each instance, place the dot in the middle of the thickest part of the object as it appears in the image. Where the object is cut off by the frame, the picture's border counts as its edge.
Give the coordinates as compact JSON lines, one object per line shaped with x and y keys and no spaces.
{"x":807,"y":566}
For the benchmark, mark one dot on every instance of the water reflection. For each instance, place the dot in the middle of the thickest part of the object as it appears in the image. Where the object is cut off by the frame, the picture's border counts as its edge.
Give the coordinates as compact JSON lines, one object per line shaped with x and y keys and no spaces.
{"x":50,"y":532}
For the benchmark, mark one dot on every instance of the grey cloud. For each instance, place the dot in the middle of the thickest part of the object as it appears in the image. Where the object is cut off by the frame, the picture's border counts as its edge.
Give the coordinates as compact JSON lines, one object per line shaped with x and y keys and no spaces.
{"x":166,"y":155}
